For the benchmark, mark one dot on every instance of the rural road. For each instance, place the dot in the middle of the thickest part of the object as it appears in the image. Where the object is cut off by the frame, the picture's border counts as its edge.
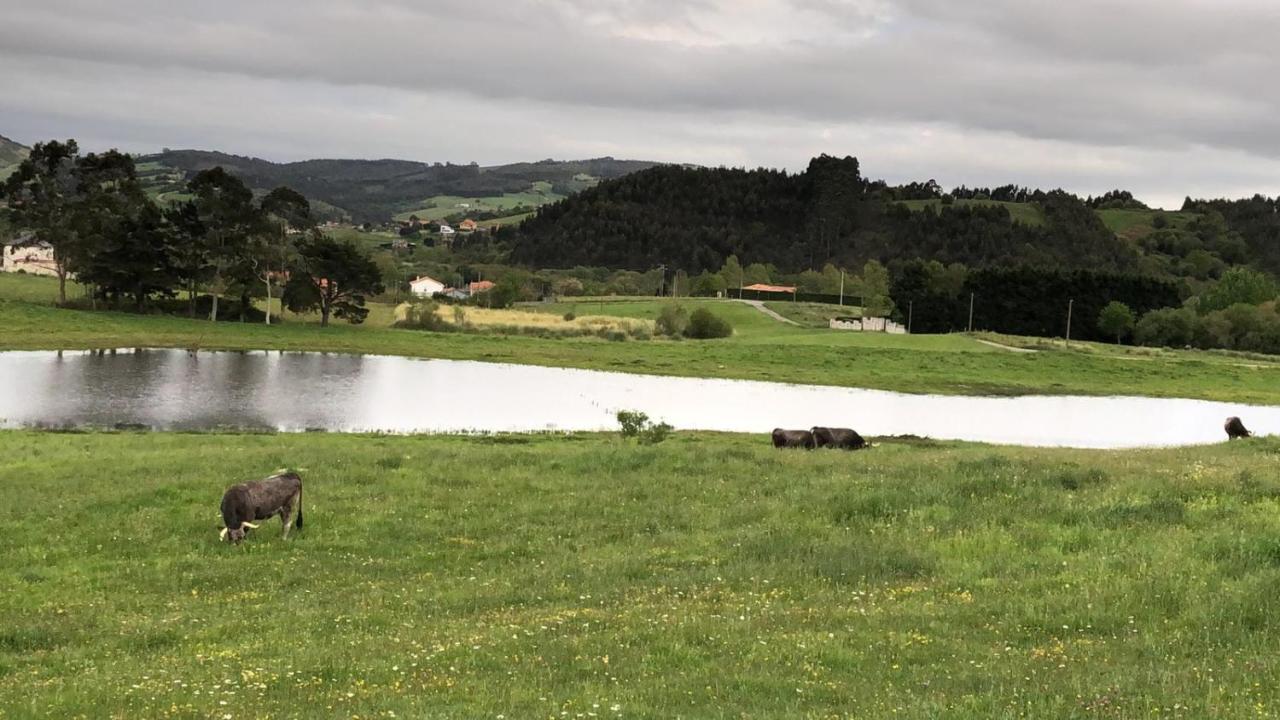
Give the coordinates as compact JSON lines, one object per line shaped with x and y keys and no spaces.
{"x":759,"y":305}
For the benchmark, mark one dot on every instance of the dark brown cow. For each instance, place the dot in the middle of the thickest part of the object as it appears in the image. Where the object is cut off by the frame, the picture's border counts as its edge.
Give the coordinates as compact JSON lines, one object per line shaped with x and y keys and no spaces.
{"x":842,"y":438}
{"x":1235,"y":429}
{"x":793,"y":438}
{"x":259,"y":500}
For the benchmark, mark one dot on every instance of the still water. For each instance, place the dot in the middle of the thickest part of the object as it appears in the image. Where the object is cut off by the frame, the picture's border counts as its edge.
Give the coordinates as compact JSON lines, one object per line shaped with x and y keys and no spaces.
{"x":293,"y":391}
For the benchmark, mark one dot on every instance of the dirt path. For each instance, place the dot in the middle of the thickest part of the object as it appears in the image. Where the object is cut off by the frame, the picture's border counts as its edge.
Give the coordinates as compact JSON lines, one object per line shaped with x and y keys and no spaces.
{"x":1006,"y":347}
{"x":759,"y":305}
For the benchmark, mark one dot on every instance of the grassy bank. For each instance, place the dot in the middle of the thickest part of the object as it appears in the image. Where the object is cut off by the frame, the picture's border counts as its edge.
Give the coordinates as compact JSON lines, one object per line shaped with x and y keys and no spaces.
{"x":710,"y":576}
{"x":761,"y":349}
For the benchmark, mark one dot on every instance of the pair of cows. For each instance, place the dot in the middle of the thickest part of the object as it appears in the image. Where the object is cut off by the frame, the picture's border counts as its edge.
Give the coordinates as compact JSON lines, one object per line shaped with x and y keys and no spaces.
{"x":841,"y":438}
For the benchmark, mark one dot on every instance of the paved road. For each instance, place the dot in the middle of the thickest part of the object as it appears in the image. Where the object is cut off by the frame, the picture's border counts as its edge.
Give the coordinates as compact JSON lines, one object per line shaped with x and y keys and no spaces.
{"x":759,"y":305}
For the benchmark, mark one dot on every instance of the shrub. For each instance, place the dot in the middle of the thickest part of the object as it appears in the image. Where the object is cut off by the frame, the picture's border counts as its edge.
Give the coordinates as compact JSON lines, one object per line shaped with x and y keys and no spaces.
{"x":632,"y":422}
{"x":636,"y":424}
{"x":421,"y":315}
{"x":704,"y":325}
{"x":570,"y":316}
{"x":1168,"y":327}
{"x":672,"y":320}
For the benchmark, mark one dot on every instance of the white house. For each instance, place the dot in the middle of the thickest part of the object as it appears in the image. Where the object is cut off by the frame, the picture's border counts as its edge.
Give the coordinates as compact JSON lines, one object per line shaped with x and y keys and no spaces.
{"x":33,"y":258}
{"x":424,"y":286}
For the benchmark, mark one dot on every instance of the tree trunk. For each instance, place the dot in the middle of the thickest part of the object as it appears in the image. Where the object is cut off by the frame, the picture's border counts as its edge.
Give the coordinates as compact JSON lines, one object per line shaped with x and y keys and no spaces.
{"x":62,"y":284}
{"x":244,"y":304}
{"x":191,"y":299}
{"x":324,"y":313}
{"x":268,"y":300}
{"x":213,"y":312}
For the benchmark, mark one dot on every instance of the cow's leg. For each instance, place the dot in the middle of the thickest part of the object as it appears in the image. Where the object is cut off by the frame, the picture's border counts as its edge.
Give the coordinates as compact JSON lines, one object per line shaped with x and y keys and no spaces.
{"x":286,"y":513}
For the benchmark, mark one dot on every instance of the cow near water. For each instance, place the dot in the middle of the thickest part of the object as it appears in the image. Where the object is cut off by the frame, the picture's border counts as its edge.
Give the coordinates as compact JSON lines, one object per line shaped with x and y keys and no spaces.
{"x":841,"y":438}
{"x":793,"y":439}
{"x":1235,"y":428}
{"x":259,"y":500}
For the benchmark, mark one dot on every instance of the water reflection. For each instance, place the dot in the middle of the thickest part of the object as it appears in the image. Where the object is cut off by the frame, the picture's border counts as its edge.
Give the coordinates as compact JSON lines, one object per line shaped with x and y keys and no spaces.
{"x":182,"y":390}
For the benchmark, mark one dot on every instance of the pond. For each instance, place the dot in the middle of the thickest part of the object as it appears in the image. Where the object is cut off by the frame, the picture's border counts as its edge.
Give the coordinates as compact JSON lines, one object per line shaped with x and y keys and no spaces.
{"x":295,"y":391}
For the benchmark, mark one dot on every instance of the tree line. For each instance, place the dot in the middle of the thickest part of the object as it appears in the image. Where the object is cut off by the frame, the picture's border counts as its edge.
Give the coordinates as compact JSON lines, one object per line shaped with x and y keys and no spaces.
{"x":221,"y":242}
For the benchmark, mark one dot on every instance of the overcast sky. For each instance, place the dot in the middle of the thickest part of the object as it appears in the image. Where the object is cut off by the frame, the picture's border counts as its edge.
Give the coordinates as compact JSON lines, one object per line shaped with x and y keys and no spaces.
{"x":1163,"y":97}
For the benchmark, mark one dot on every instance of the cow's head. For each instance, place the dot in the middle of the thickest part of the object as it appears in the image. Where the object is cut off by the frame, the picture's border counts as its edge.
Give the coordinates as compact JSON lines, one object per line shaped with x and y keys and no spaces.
{"x":235,"y":535}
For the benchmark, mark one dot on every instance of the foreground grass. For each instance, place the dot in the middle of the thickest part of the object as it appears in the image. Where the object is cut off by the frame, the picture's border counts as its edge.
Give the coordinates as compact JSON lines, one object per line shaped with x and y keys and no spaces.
{"x":761,"y":349}
{"x":710,"y":576}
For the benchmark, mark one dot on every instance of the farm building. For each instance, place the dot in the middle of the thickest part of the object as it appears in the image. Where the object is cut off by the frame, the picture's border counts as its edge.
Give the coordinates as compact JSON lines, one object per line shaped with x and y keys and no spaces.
{"x":424,"y":286}
{"x":33,"y":258}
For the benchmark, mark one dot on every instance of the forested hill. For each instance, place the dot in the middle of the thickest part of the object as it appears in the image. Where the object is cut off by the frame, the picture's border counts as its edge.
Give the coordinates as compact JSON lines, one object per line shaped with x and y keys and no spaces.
{"x":694,"y":218}
{"x":375,"y":190}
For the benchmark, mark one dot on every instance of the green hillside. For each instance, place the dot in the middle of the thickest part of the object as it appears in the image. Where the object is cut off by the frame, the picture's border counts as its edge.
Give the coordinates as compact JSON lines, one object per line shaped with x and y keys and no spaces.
{"x":377,"y":190}
{"x":11,"y":153}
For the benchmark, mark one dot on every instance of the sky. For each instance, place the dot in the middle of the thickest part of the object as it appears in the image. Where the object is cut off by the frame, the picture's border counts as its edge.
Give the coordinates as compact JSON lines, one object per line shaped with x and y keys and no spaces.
{"x":1165,"y":98}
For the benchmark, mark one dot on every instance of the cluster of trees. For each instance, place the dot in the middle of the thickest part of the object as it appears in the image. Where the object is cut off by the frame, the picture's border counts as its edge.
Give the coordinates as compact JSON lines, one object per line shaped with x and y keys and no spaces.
{"x":1239,"y":312}
{"x":105,"y":229}
{"x":695,"y":218}
{"x":1020,"y":300}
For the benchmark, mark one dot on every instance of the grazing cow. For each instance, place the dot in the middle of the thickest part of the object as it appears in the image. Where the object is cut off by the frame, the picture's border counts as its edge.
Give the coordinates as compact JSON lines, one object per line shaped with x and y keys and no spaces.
{"x":259,"y":500}
{"x":1235,"y":429}
{"x":793,"y":438}
{"x":842,"y":438}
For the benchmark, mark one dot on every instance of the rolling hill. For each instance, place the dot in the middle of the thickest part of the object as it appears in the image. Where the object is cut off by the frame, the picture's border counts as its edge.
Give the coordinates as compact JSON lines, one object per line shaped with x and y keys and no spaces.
{"x":11,"y":153}
{"x":377,"y":190}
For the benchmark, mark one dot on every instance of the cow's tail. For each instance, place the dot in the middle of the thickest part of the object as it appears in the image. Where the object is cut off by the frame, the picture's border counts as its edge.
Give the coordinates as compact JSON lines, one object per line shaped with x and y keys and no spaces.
{"x":298,"y":522}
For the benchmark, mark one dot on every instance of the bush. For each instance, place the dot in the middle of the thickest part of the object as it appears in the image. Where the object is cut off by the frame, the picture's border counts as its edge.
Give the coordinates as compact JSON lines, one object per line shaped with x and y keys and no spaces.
{"x":421,"y":315}
{"x":705,"y":325}
{"x":636,"y":424}
{"x":570,"y":316}
{"x":672,"y":320}
{"x":632,"y":422}
{"x":1168,"y":327}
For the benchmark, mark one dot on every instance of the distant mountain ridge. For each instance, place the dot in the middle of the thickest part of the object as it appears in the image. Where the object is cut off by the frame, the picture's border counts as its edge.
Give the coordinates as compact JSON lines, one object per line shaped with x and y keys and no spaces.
{"x":375,"y":190}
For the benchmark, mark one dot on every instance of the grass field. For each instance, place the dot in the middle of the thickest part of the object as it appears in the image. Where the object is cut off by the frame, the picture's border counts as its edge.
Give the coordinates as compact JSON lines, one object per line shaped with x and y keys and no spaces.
{"x":583,"y":576}
{"x":439,"y":207}
{"x":760,"y":349}
{"x":1021,"y":212}
{"x":1134,"y":224}
{"x":815,"y":315}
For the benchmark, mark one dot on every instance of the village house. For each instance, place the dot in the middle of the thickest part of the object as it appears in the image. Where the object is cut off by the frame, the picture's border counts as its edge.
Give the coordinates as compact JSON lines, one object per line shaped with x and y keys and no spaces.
{"x":424,"y":286}
{"x":446,"y":235}
{"x":479,"y":286}
{"x":467,"y":226}
{"x":33,"y":258}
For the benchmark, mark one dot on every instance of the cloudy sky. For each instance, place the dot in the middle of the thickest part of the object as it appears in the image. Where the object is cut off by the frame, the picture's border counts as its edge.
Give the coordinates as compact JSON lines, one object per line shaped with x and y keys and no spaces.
{"x":1163,"y":97}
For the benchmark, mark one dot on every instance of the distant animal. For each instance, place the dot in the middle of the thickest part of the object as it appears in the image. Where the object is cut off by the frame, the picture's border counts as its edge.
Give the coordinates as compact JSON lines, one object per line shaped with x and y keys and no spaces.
{"x":1235,"y":429}
{"x":842,"y":438}
{"x":793,"y":439}
{"x":258,"y":500}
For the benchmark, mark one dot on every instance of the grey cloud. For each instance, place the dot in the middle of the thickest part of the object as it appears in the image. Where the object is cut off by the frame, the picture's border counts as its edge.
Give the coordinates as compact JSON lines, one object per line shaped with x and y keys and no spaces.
{"x":1177,"y":76}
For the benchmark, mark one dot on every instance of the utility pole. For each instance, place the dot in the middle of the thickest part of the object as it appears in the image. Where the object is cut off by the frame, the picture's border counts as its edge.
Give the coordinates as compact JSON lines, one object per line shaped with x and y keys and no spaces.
{"x":1070,"y":303}
{"x":662,"y":281}
{"x":841,"y":288}
{"x":911,"y":310}
{"x":970,"y":312}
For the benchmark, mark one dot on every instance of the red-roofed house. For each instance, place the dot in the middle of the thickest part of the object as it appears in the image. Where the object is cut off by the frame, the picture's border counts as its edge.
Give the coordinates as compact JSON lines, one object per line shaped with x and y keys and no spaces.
{"x":479,"y":286}
{"x":467,"y":225}
{"x":761,"y":287}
